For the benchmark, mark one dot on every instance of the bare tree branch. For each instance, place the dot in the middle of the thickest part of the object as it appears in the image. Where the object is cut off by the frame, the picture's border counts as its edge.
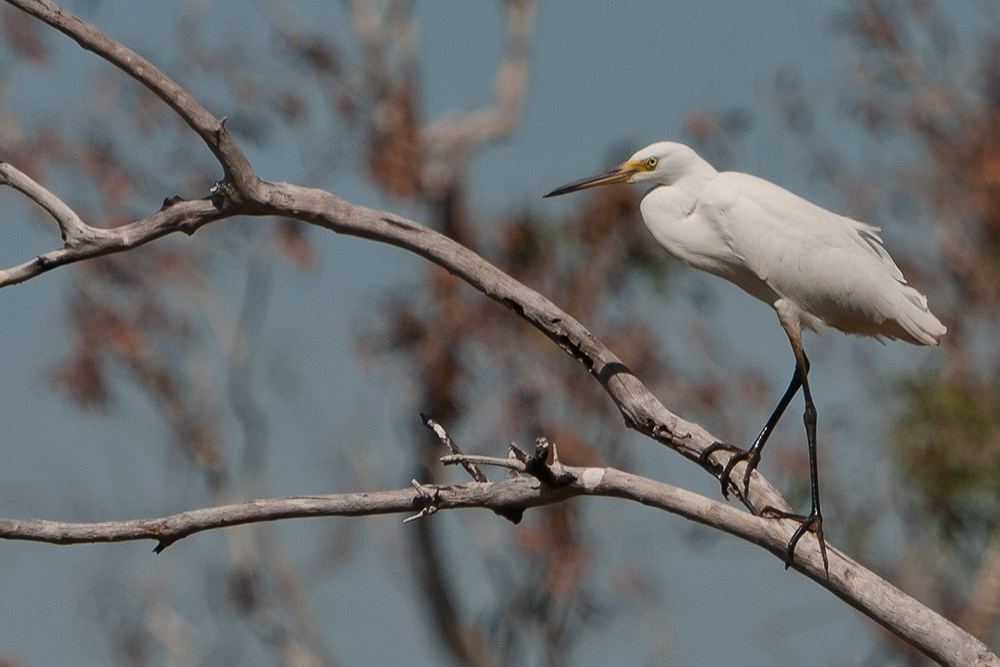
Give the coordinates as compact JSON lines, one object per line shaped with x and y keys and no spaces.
{"x":243,"y":193}
{"x":74,"y":231}
{"x":175,"y":216}
{"x":848,"y":580}
{"x":469,"y":465}
{"x":212,"y":130}
{"x":641,"y":410}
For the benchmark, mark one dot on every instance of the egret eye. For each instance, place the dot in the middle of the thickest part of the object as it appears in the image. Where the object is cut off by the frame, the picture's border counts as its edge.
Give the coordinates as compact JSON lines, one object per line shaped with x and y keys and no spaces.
{"x":651,"y":163}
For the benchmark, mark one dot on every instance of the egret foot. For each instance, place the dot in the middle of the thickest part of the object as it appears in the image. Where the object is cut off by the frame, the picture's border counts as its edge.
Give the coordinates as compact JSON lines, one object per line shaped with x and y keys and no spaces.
{"x":751,"y":457}
{"x":814,"y":522}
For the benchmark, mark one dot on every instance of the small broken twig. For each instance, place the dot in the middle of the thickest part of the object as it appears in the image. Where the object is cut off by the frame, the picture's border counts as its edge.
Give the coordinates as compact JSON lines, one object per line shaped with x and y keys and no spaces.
{"x":442,"y":435}
{"x":553,"y":475}
{"x":429,"y":496}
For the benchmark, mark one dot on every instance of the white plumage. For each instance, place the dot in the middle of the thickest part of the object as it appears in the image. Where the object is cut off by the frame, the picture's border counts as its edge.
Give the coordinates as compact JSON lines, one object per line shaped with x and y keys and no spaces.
{"x":814,"y":267}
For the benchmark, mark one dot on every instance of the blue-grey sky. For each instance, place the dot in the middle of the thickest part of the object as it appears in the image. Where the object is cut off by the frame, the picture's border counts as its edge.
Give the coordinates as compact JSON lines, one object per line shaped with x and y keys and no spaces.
{"x":602,"y":72}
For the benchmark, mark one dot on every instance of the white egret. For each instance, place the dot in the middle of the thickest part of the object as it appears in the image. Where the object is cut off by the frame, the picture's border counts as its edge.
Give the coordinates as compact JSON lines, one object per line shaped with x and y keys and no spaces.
{"x":814,"y":267}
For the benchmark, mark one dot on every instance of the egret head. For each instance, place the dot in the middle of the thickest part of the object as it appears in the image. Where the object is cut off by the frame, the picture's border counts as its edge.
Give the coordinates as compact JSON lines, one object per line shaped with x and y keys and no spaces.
{"x":662,"y":163}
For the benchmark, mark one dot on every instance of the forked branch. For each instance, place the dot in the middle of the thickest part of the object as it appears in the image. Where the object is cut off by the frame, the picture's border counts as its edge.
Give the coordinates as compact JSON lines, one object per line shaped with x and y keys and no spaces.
{"x":175,"y":216}
{"x":212,"y":130}
{"x":848,"y":580}
{"x":243,"y":193}
{"x":73,"y":230}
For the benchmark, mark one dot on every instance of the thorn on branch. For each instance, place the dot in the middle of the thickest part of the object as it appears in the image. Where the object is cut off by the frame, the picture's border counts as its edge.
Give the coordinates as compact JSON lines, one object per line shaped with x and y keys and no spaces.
{"x":161,"y":545}
{"x":542,"y":448}
{"x":157,"y":528}
{"x":171,"y":201}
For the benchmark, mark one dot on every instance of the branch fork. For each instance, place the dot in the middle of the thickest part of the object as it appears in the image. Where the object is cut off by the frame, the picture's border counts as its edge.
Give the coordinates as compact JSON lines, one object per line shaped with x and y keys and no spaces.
{"x":74,"y":231}
{"x":551,"y":475}
{"x":242,"y":192}
{"x":428,"y":496}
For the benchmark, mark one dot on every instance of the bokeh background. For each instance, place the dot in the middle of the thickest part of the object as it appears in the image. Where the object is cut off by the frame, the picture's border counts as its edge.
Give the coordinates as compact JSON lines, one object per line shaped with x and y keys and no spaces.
{"x":263,"y":358}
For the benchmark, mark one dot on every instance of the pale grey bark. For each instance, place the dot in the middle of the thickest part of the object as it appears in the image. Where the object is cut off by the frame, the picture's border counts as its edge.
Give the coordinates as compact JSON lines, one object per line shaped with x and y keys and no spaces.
{"x":243,"y":193}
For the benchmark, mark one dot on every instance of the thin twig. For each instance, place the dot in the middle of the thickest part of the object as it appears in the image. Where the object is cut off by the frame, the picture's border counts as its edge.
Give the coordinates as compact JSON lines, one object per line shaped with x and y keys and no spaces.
{"x":848,"y":579}
{"x":74,"y":231}
{"x":177,"y":216}
{"x":242,"y":193}
{"x":212,"y":130}
{"x":510,"y":464}
{"x":446,"y":440}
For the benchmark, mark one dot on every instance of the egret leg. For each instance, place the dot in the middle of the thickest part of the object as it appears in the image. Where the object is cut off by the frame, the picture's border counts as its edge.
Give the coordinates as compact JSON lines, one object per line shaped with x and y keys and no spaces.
{"x":752,"y":455}
{"x":814,"y":520}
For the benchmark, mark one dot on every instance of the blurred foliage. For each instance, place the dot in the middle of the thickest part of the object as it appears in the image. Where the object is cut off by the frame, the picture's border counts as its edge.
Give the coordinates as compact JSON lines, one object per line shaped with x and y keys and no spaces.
{"x":947,"y":443}
{"x":146,"y":321}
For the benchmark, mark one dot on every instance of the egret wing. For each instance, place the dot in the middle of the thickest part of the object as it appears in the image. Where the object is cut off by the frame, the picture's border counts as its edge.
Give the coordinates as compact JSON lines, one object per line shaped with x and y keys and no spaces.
{"x":832,"y":268}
